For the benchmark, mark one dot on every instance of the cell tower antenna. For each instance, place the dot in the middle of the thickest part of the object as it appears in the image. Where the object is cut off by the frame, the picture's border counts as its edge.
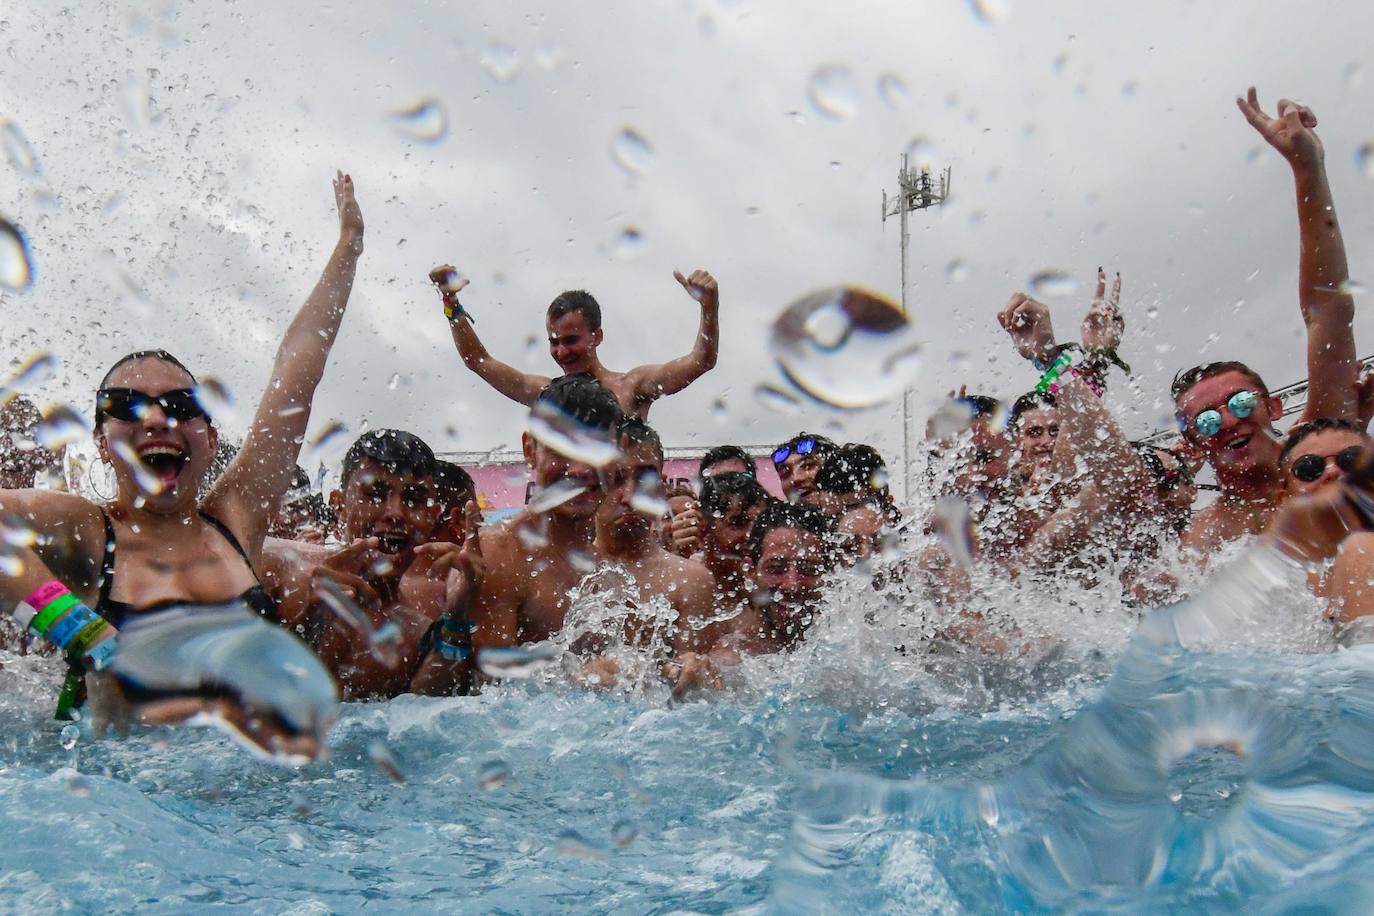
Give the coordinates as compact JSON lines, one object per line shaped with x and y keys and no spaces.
{"x":916,"y":190}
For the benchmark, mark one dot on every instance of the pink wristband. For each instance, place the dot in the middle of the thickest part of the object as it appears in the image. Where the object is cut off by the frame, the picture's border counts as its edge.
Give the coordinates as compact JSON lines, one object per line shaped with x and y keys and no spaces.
{"x":45,"y":593}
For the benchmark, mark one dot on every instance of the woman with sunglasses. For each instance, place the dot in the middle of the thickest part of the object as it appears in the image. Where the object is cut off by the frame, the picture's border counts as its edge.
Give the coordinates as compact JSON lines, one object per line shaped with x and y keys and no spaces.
{"x":156,"y":545}
{"x":1319,"y":451}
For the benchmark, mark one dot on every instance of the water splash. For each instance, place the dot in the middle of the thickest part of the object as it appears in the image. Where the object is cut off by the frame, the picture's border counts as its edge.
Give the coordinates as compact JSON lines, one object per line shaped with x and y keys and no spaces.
{"x":493,"y":775}
{"x":383,"y":642}
{"x":386,"y":761}
{"x":16,"y":263}
{"x":426,"y":121}
{"x":632,"y":151}
{"x":148,"y":483}
{"x":832,"y":93}
{"x":845,"y":347}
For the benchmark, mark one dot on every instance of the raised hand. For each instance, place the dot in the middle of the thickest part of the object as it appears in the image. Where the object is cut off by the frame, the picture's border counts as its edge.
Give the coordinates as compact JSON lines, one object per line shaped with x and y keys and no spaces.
{"x":685,"y":532}
{"x":1028,"y":324}
{"x":448,"y":279}
{"x":348,"y":569}
{"x":701,"y":286}
{"x":1103,"y":325}
{"x":1292,"y":132}
{"x":350,"y":214}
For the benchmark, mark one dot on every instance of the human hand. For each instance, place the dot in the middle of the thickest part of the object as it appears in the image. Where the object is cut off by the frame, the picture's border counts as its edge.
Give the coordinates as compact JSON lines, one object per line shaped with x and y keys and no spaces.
{"x":701,"y":286}
{"x":1292,"y":132}
{"x":448,"y":279}
{"x":1103,"y":325}
{"x":344,"y":571}
{"x":691,"y":669}
{"x":685,"y":532}
{"x":445,"y":577}
{"x":350,"y":214}
{"x":1028,"y":324}
{"x":599,"y":672}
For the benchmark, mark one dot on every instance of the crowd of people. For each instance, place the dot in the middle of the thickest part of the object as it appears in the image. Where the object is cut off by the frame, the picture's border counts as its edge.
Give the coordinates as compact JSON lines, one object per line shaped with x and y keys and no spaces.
{"x":396,"y":584}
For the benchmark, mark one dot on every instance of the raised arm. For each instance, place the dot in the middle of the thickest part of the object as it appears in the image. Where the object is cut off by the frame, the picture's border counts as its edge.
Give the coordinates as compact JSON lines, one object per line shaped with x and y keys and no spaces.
{"x":521,"y":387}
{"x":1323,"y":276}
{"x":246,"y":495}
{"x":653,"y":381}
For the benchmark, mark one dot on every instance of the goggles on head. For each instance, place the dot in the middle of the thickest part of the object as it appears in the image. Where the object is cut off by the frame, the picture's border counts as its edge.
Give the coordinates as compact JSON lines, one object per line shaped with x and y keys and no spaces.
{"x":1208,"y":423}
{"x":132,"y":405}
{"x":1310,"y":467}
{"x":801,"y":447}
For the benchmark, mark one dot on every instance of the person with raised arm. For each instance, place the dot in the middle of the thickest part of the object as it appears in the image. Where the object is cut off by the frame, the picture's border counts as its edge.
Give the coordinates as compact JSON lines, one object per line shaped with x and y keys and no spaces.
{"x":155,"y":561}
{"x":1224,"y":408}
{"x":574,"y":330}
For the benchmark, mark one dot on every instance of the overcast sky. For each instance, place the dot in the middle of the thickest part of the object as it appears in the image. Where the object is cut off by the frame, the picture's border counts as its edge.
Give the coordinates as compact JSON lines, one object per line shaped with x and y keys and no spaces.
{"x":184,"y":153}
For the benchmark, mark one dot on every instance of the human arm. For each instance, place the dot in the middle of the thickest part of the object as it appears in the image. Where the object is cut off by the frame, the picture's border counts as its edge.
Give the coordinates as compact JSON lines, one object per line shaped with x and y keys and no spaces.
{"x":521,"y":387}
{"x":490,"y":607}
{"x":246,"y":495}
{"x":1323,"y":275}
{"x":653,"y":381}
{"x":50,"y":535}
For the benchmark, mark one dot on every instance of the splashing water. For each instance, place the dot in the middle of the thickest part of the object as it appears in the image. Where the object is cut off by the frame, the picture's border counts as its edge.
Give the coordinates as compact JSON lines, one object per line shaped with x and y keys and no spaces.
{"x":148,"y":483}
{"x":62,"y":425}
{"x":425,"y":121}
{"x":493,"y":775}
{"x":16,"y":264}
{"x":845,"y":347}
{"x":832,"y":93}
{"x":632,"y":151}
{"x":386,"y":761}
{"x":383,"y":642}
{"x":35,"y":370}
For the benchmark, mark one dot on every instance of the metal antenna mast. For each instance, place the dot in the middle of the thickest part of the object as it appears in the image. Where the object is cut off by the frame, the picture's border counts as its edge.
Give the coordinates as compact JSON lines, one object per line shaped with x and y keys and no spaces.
{"x":916,"y":190}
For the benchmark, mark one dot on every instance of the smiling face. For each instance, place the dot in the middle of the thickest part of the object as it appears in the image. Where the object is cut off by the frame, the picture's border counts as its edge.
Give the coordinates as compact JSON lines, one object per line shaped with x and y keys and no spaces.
{"x":399,"y":509}
{"x":790,"y":568}
{"x":156,"y":458}
{"x":1325,"y":445}
{"x":797,"y":474}
{"x":572,"y":344}
{"x":727,"y":531}
{"x":1036,"y":432}
{"x":1243,"y":446}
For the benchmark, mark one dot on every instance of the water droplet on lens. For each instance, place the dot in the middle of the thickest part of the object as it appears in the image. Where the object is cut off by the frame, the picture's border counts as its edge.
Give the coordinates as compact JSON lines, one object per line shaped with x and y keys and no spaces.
{"x":79,"y":786}
{"x":920,"y":152}
{"x":990,"y":12}
{"x":951,"y":418}
{"x":575,"y":845}
{"x":623,"y":833}
{"x":61,"y":426}
{"x":1053,"y":283}
{"x":17,"y":150}
{"x":629,"y":243}
{"x":518,"y":661}
{"x":215,"y":398}
{"x":501,"y":61}
{"x":386,"y":762}
{"x":38,"y":368}
{"x":570,"y":437}
{"x":326,"y":439}
{"x":554,"y":495}
{"x":777,"y":400}
{"x":493,"y":775}
{"x":1364,"y":160}
{"x":1352,"y":288}
{"x":956,"y":271}
{"x":832,"y":92}
{"x":16,"y":264}
{"x":631,"y":151}
{"x":69,"y":736}
{"x":1152,"y":312}
{"x":892,"y":90}
{"x":425,"y":121}
{"x":846,"y":347}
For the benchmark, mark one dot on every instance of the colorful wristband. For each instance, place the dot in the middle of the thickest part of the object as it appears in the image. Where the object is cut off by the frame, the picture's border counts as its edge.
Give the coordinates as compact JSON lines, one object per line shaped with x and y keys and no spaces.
{"x":453,"y":310}
{"x":101,"y":653}
{"x":45,"y":593}
{"x":87,"y":637}
{"x":69,"y":624}
{"x":1048,"y":381}
{"x":49,"y":615}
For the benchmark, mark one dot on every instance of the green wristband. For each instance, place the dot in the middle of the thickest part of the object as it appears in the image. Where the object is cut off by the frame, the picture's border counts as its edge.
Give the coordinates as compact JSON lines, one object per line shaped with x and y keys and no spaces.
{"x":55,"y":609}
{"x":86,"y":637}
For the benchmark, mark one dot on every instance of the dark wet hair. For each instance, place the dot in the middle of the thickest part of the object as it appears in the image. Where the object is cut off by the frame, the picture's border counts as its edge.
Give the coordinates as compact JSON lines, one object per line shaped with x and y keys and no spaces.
{"x":582,"y":398}
{"x":162,"y":355}
{"x":1031,"y":400}
{"x":823,"y":446}
{"x":788,"y":515}
{"x":852,"y":467}
{"x":576,"y":300}
{"x":636,"y":432}
{"x":1319,"y":425}
{"x":396,"y":450}
{"x":453,"y":485}
{"x":727,"y":453}
{"x":717,"y":492}
{"x":1190,"y":377}
{"x":980,"y":405}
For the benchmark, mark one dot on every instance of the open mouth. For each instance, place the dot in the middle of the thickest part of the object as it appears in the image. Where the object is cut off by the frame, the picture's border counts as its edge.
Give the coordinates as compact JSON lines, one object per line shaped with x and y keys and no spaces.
{"x":165,"y":462}
{"x":391,"y":542}
{"x":1235,"y":446}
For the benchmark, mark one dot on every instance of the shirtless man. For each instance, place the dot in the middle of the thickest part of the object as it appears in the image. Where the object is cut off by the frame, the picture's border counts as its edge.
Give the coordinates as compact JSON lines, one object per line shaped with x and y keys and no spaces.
{"x":530,"y":559}
{"x":797,"y":462}
{"x":730,"y":505}
{"x":1224,"y":409}
{"x":574,"y":328}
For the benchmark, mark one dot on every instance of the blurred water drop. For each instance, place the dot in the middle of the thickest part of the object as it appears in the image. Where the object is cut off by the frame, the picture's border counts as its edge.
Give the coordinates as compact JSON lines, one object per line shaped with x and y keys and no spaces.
{"x":892,"y":90}
{"x":1364,"y":159}
{"x":16,"y":263}
{"x":79,"y":786}
{"x":953,"y":525}
{"x":956,"y":271}
{"x":845,"y":347}
{"x":623,"y":833}
{"x":648,"y":498}
{"x":215,"y":398}
{"x":1351,"y":288}
{"x":950,"y":418}
{"x":631,"y":151}
{"x":36,"y":369}
{"x":330,"y":436}
{"x":832,"y":93}
{"x":990,"y":12}
{"x":920,"y":152}
{"x":575,"y":845}
{"x":518,"y":661}
{"x":570,"y":437}
{"x":61,"y":426}
{"x":1354,"y":77}
{"x":17,"y":150}
{"x":777,"y":400}
{"x":501,"y":61}
{"x":1053,"y":283}
{"x":383,"y":643}
{"x":393,"y":381}
{"x":493,"y":775}
{"x":555,"y":495}
{"x":629,"y":243}
{"x":146,"y":481}
{"x":69,"y":736}
{"x":426,"y":121}
{"x":386,"y":762}
{"x":1152,"y":312}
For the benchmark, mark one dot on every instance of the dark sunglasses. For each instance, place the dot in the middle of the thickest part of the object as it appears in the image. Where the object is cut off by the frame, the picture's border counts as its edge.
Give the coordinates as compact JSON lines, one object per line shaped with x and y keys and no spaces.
{"x":1309,"y":467}
{"x":802,"y":447}
{"x":1208,"y":423}
{"x":131,"y":405}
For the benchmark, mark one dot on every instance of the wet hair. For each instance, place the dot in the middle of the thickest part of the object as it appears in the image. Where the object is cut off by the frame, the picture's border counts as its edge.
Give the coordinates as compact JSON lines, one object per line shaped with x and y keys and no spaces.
{"x":581,"y":398}
{"x":1319,"y":425}
{"x":576,"y":300}
{"x":980,"y":405}
{"x":453,"y":485}
{"x":1165,"y":478}
{"x":822,"y":448}
{"x":396,"y":450}
{"x":636,"y":432}
{"x":723,"y":453}
{"x":1031,"y":400}
{"x":852,"y":467}
{"x":1190,"y":377}
{"x":788,"y":515}
{"x":161,"y":355}
{"x":717,"y":492}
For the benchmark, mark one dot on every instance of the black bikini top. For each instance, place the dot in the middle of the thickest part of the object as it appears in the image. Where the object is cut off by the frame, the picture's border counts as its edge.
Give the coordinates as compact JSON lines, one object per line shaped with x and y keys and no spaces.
{"x":116,"y":612}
